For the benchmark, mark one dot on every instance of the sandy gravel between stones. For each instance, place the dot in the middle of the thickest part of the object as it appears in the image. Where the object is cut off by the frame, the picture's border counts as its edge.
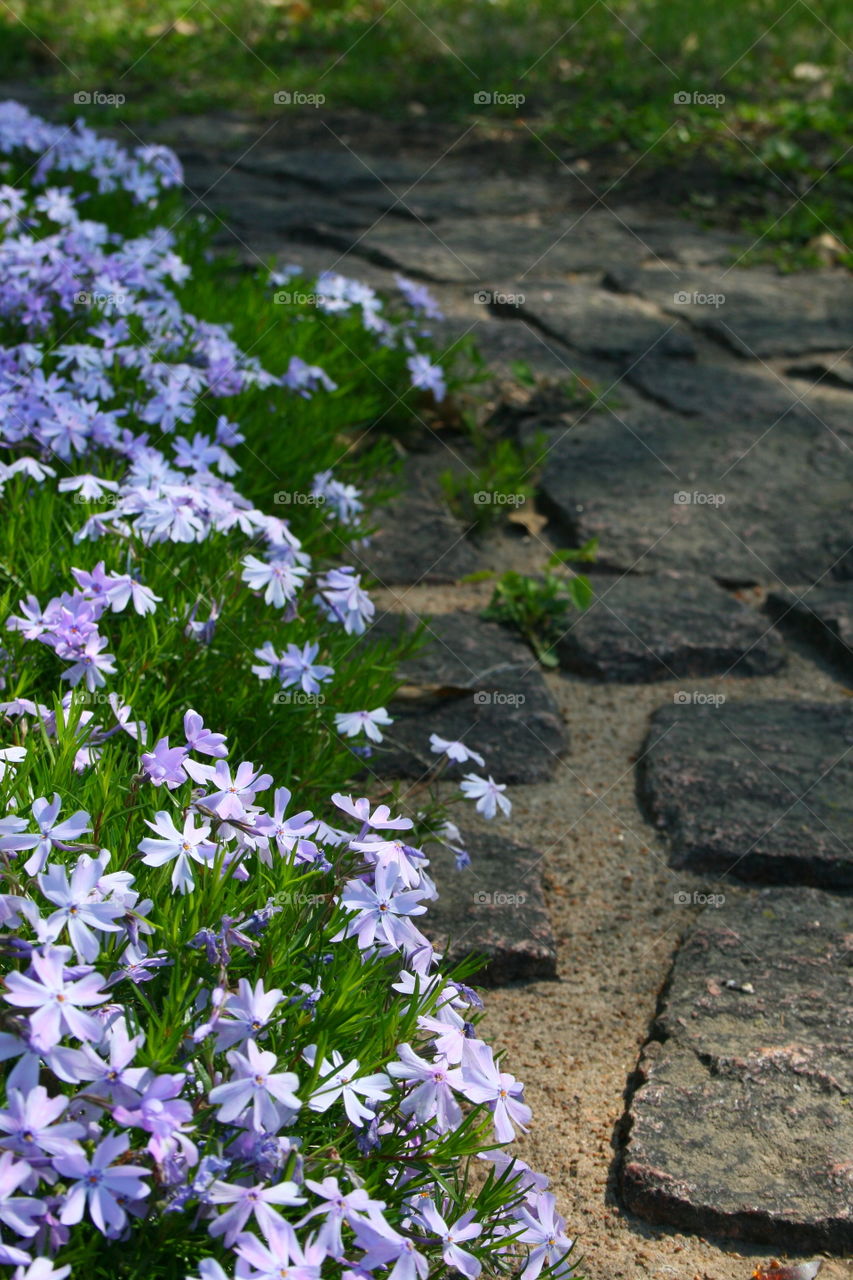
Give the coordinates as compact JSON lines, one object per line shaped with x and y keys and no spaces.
{"x":575,"y":1042}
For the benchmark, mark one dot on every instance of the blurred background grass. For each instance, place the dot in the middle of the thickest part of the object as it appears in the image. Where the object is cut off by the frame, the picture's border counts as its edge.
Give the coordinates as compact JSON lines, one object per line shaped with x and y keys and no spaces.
{"x":599,"y":82}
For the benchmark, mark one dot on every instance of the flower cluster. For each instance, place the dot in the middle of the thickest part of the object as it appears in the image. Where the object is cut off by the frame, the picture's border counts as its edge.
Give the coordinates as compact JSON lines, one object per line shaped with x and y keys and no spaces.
{"x":229,"y":1050}
{"x":93,"y":1133}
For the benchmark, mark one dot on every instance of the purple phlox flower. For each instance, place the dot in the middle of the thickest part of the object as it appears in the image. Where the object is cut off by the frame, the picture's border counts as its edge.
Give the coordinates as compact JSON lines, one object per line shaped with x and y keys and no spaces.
{"x":202,"y":740}
{"x":344,"y":499}
{"x":409,"y":861}
{"x":341,"y":597}
{"x":40,"y":1269}
{"x":98,"y":1184}
{"x":246,"y":1015}
{"x":160,"y":1112}
{"x":80,"y":907}
{"x":209,"y":1269}
{"x":427,"y":376}
{"x":91,"y":664}
{"x":91,"y":488}
{"x":381,"y":913}
{"x":165,"y":764}
{"x":528,"y":1180}
{"x":281,"y":1255}
{"x":449,"y":1031}
{"x":432,"y":1097}
{"x":122,"y":711}
{"x":114,"y":1079}
{"x":340,"y":1079}
{"x":383,"y":1245}
{"x":9,"y":757}
{"x":14,"y":835}
{"x":31,"y":621}
{"x":484,"y":1082}
{"x":232,"y":795}
{"x":419,"y":298}
{"x":287,"y":831}
{"x":544,"y":1230}
{"x":58,"y":1002}
{"x":488,"y":794}
{"x":246,"y":1201}
{"x":180,"y":847}
{"x":380,"y":819}
{"x":305,"y":378}
{"x":455,"y":751}
{"x":17,"y":1211}
{"x":54,"y":834}
{"x":352,"y":723}
{"x":256,"y":1086}
{"x":452,"y":1237}
{"x":280,"y":579}
{"x":30,"y":1121}
{"x":338,"y":1207}
{"x":296,"y":666}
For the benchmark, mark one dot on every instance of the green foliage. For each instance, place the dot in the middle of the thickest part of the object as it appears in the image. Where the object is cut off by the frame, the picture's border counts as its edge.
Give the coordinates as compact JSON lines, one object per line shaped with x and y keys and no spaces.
{"x":502,"y":482}
{"x":539,"y":607}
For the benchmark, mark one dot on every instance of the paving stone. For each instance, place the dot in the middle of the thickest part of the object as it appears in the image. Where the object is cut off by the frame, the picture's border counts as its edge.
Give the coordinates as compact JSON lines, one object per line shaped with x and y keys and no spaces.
{"x":743,"y":1124}
{"x":741,"y":395}
{"x":474,"y":682}
{"x":828,"y":370}
{"x":600,"y":323}
{"x":473,"y":250}
{"x":494,"y":909}
{"x":763,"y":314}
{"x":823,"y":615}
{"x":661,"y":494}
{"x":659,"y":627}
{"x":338,"y":170}
{"x":419,"y":541}
{"x":758,"y":790}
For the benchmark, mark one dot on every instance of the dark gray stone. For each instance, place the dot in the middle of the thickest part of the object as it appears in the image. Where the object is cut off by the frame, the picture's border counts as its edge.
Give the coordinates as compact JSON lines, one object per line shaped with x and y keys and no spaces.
{"x":660,"y":627}
{"x":823,"y":615}
{"x":340,"y":170}
{"x":763,"y":314}
{"x":601,"y":323}
{"x":742,"y":1125}
{"x":473,"y":682}
{"x":828,"y":370}
{"x":732,"y":499}
{"x":494,"y":909}
{"x":471,"y":251}
{"x":758,"y":790}
{"x":742,"y":396}
{"x":418,"y":541}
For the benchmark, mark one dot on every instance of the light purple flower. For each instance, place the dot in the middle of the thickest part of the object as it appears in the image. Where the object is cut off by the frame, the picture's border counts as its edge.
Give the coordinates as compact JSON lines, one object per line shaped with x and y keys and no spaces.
{"x":544,"y":1230}
{"x":452,"y":1236}
{"x":455,"y":751}
{"x":255,"y":1086}
{"x":484,"y":1082}
{"x":80,"y":907}
{"x":100,"y":1186}
{"x":489,"y":795}
{"x":165,"y":764}
{"x":30,"y":1121}
{"x":246,"y":1201}
{"x":58,"y":1003}
{"x":340,"y":1079}
{"x":433,"y":1097}
{"x":381,"y":914}
{"x":279,"y":580}
{"x":202,"y":740}
{"x":427,"y":376}
{"x":352,"y":723}
{"x":246,"y":1015}
{"x":18,"y":1212}
{"x":180,"y":847}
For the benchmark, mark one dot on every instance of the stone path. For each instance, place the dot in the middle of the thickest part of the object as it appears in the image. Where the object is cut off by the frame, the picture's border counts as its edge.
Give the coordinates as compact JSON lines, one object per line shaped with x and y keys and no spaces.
{"x":715,"y":465}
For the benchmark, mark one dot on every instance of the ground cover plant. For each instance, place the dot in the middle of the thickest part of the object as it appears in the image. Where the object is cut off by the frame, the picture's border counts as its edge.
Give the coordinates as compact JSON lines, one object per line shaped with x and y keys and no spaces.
{"x":228,"y":1048}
